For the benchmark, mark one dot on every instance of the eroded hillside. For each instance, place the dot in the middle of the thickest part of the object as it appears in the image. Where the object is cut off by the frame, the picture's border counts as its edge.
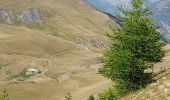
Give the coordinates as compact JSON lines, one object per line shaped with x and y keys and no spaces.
{"x":61,"y":38}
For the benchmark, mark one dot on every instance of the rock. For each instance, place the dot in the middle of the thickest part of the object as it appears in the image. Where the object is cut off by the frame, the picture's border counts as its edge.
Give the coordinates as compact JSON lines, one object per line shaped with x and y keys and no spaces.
{"x":26,"y":16}
{"x":6,"y":17}
{"x":164,"y":77}
{"x":153,"y":84}
{"x":161,"y":88}
{"x":166,"y":90}
{"x":32,"y":71}
{"x":152,"y":94}
{"x":96,"y":43}
{"x":63,"y":78}
{"x":30,"y":16}
{"x":167,"y":83}
{"x":168,"y":98}
{"x":28,"y":73}
{"x":83,"y":47}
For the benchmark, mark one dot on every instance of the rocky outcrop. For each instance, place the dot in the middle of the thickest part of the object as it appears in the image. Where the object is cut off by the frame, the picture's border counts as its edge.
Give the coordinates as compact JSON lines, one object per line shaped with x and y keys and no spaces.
{"x":96,"y":43}
{"x":30,"y":16}
{"x":26,"y":16}
{"x":6,"y":17}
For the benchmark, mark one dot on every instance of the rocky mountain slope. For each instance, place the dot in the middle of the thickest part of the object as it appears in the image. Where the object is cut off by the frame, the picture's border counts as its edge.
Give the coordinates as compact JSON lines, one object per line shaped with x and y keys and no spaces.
{"x":50,"y":47}
{"x":160,"y":11}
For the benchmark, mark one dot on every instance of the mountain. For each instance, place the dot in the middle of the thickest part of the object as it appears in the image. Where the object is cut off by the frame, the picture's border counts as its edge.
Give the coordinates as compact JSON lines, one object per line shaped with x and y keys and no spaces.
{"x":159,"y":8}
{"x":51,"y":47}
{"x":161,"y":13}
{"x":110,"y":6}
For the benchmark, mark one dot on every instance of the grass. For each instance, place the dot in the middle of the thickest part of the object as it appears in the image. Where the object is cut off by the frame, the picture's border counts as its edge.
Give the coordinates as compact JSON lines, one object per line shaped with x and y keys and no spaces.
{"x":156,"y":93}
{"x":2,"y":66}
{"x":21,"y":76}
{"x":42,"y":27}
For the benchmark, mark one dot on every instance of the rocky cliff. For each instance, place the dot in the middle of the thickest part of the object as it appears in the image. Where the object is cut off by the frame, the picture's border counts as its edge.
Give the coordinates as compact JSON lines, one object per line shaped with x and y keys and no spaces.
{"x":26,"y":16}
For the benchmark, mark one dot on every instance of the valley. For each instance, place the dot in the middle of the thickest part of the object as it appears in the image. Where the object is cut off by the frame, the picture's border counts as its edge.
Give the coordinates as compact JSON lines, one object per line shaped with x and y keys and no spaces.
{"x":51,"y":47}
{"x":62,"y":39}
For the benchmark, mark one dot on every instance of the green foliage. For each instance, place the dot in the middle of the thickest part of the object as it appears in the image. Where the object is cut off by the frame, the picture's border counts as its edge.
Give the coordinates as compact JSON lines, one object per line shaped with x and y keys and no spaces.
{"x":108,"y":95}
{"x":4,"y":95}
{"x":68,"y":96}
{"x":2,"y":65}
{"x":91,"y":97}
{"x":134,"y":47}
{"x":22,"y":76}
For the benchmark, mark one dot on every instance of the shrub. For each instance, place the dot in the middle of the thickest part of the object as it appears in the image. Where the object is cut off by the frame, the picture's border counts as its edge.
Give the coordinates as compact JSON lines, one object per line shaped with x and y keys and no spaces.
{"x":4,"y":95}
{"x":108,"y":95}
{"x":91,"y":97}
{"x":68,"y":96}
{"x":22,"y":76}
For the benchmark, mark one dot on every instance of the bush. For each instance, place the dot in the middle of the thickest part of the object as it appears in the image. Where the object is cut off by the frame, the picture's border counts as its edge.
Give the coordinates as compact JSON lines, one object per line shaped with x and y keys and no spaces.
{"x":22,"y":76}
{"x":91,"y":97}
{"x":68,"y":96}
{"x":4,"y":95}
{"x":108,"y":95}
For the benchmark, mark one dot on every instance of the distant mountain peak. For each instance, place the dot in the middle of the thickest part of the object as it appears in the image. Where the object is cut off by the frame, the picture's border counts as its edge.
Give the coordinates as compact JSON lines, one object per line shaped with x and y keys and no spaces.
{"x":160,"y":9}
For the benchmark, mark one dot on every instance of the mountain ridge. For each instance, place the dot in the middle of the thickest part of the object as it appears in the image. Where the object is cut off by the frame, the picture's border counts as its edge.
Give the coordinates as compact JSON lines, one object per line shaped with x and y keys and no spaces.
{"x":159,"y":9}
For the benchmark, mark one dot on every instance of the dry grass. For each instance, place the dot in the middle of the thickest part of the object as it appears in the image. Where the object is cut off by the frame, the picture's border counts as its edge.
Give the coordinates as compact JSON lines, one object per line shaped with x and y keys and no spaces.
{"x":65,"y":65}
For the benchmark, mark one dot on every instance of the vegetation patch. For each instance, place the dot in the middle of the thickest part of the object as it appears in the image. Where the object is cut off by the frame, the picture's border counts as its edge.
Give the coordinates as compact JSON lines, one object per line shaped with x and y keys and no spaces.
{"x":2,"y":66}
{"x":109,"y":94}
{"x":27,"y":73}
{"x":22,"y":76}
{"x":68,"y":96}
{"x":4,"y":95}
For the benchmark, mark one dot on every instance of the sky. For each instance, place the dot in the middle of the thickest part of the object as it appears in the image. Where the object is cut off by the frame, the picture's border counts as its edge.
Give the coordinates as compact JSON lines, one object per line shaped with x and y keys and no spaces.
{"x":110,"y":6}
{"x":120,"y":1}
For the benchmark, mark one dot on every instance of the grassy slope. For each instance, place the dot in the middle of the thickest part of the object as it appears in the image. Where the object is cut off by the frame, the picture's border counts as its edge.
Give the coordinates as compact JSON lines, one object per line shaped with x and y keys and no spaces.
{"x":56,"y":50}
{"x":66,"y":65}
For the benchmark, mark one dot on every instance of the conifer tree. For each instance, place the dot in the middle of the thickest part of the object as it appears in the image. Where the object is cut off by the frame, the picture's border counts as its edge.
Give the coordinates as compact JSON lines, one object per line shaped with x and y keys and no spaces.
{"x":134,"y":48}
